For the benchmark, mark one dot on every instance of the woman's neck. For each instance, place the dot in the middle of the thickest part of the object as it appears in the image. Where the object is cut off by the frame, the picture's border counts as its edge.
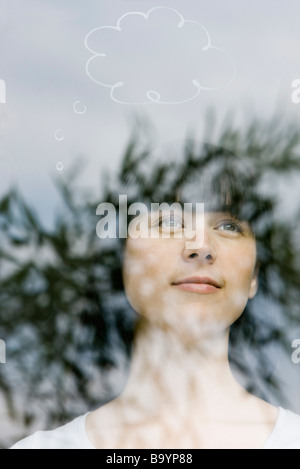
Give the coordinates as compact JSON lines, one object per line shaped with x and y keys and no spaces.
{"x":181,"y":395}
{"x":170,"y":375}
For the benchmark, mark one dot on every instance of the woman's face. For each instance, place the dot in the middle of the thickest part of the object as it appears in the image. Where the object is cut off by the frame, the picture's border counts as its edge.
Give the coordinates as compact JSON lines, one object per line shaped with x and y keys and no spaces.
{"x":159,"y":275}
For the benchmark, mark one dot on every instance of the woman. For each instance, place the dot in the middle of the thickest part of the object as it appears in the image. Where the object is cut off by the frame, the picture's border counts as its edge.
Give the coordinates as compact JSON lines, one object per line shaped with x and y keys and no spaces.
{"x":194,"y":297}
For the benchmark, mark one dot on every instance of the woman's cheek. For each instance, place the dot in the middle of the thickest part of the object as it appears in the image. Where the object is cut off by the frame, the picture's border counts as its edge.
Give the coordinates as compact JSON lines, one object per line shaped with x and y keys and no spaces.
{"x":241,"y":273}
{"x":141,"y":275}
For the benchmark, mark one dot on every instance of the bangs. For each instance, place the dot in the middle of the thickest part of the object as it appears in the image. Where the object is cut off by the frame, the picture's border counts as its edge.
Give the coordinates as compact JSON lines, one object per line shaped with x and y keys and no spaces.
{"x":209,"y":175}
{"x":224,"y":185}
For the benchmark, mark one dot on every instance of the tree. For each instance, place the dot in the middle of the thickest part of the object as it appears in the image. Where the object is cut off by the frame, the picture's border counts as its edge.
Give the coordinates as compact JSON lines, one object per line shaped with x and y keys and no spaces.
{"x":64,"y":315}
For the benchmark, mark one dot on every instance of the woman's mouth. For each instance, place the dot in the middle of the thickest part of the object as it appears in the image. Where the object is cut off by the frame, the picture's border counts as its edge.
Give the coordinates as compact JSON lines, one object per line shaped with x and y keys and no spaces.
{"x":202,"y":285}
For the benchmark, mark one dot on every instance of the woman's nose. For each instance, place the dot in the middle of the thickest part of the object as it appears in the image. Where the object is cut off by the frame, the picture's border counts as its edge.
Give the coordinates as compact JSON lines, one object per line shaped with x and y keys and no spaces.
{"x":204,"y":253}
{"x":201,"y":255}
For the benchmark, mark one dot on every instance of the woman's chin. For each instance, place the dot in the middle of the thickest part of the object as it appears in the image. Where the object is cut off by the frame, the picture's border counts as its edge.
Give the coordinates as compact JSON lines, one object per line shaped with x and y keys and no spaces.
{"x":190,"y":326}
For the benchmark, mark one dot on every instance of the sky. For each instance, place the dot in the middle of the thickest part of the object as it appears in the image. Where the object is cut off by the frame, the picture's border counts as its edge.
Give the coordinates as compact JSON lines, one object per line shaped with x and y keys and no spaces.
{"x":244,"y":56}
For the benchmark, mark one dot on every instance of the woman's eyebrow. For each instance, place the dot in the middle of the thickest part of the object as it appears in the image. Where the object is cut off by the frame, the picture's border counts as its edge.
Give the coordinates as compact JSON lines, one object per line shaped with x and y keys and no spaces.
{"x":229,"y":215}
{"x":223,"y":213}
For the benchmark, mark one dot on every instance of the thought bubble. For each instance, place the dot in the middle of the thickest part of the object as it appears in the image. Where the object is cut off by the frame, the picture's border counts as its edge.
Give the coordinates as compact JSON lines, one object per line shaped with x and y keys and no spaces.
{"x":156,"y":57}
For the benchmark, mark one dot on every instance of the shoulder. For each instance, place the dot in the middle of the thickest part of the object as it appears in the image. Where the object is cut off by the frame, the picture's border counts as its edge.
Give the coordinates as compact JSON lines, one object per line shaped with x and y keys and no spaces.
{"x":286,"y":434}
{"x":292,"y":426}
{"x":70,"y":436}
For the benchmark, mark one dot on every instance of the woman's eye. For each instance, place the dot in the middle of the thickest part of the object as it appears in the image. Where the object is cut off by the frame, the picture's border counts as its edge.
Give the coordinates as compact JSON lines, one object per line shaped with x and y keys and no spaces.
{"x":231,"y":226}
{"x":171,"y":222}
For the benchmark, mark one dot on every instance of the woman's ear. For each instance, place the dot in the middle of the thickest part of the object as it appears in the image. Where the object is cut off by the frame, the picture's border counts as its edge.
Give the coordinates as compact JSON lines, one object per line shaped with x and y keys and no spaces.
{"x":254,"y":282}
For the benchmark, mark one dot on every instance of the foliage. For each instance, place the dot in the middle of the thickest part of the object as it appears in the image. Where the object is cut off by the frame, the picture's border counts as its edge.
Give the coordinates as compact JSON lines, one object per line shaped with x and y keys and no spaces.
{"x":61,"y":297}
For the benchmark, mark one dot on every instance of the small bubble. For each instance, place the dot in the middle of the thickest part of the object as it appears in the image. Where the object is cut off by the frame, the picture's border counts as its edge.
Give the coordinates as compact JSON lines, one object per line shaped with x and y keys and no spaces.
{"x":59,"y":135}
{"x":59,"y":166}
{"x":153,"y":96}
{"x":79,"y":108}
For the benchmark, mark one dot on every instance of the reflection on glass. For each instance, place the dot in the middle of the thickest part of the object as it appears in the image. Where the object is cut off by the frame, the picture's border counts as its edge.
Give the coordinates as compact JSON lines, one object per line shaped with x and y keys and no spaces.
{"x":199,"y":328}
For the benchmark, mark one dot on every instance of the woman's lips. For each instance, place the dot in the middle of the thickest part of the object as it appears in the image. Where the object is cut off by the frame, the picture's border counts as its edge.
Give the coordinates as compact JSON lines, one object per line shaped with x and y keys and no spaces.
{"x":198,"y":285}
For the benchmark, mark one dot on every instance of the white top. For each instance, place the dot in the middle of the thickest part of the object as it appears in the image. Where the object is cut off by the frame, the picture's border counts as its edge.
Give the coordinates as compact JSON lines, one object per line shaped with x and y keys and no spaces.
{"x":286,"y":435}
